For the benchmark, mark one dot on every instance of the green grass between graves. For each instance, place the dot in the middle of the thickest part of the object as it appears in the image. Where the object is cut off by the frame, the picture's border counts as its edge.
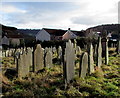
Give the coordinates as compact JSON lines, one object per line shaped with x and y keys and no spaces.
{"x":103,"y":82}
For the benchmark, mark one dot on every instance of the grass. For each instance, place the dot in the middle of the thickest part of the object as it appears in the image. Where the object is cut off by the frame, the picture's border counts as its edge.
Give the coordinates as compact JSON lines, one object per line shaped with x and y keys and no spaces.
{"x":103,"y":82}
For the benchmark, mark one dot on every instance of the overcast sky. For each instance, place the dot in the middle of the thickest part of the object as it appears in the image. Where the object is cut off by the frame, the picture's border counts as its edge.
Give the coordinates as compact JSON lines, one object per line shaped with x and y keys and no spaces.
{"x":61,"y":15}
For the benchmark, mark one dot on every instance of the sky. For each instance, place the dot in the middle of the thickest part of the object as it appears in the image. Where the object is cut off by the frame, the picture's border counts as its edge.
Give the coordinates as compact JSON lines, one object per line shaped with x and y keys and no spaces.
{"x":78,"y":15}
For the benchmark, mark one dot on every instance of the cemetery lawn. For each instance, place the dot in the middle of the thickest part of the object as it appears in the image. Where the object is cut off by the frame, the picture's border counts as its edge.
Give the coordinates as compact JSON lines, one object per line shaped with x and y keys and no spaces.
{"x":49,"y":82}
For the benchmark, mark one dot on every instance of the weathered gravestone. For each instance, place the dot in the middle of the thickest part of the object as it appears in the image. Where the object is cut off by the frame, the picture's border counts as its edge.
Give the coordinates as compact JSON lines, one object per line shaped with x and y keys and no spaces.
{"x":10,"y":52}
{"x":118,"y":46}
{"x":106,"y":53}
{"x":83,"y":65}
{"x":38,"y":58}
{"x":60,"y":52}
{"x":69,"y":62}
{"x":75,"y":43}
{"x":30,"y":56}
{"x":23,"y":66}
{"x":48,"y":58}
{"x":90,"y":60}
{"x":54,"y":50}
{"x":3,"y":53}
{"x":7,"y":53}
{"x":78,"y":50}
{"x":99,"y":53}
{"x":95,"y":52}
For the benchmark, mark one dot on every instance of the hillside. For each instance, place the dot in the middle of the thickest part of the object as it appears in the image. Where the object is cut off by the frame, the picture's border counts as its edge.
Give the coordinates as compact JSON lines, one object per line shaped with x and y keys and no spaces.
{"x":107,"y":27}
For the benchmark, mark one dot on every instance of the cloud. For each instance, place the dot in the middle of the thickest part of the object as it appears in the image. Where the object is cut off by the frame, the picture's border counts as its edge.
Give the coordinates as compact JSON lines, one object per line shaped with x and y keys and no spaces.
{"x":11,"y":9}
{"x":96,"y":12}
{"x":62,"y":15}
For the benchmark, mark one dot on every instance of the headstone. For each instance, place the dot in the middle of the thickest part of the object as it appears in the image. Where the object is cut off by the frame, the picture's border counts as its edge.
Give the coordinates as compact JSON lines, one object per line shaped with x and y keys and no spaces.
{"x":23,"y":66}
{"x":13,"y":52}
{"x":10,"y":53}
{"x":78,"y":50}
{"x":3,"y":53}
{"x":75,"y":43}
{"x":48,"y":59}
{"x":99,"y":53}
{"x":106,"y":53}
{"x":7,"y":53}
{"x":103,"y":41}
{"x":83,"y":65}
{"x":69,"y":59}
{"x":21,"y":50}
{"x":38,"y":58}
{"x":91,"y":61}
{"x":60,"y":52}
{"x":118,"y":47}
{"x":95,"y":52}
{"x":54,"y":50}
{"x":17,"y":56}
{"x":29,"y":56}
{"x":46,"y":49}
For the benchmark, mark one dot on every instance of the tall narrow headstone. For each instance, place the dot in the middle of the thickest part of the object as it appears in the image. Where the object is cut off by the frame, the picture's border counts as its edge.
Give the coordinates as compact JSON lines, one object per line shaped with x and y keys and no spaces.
{"x":54,"y":50}
{"x":23,"y":66}
{"x":78,"y":50}
{"x":38,"y":58}
{"x":99,"y":53}
{"x":95,"y":52}
{"x":118,"y":46}
{"x":106,"y":53}
{"x":83,"y":65}
{"x":48,"y":59}
{"x":60,"y":52}
{"x":91,"y":61}
{"x":29,"y":57}
{"x":69,"y":59}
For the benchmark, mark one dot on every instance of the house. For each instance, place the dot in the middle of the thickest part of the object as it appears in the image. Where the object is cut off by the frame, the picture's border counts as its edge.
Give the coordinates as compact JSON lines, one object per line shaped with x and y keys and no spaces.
{"x":42,"y":35}
{"x":10,"y":36}
{"x":69,"y":35}
{"x":13,"y":39}
{"x":55,"y":34}
{"x":4,"y":41}
{"x":47,"y":34}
